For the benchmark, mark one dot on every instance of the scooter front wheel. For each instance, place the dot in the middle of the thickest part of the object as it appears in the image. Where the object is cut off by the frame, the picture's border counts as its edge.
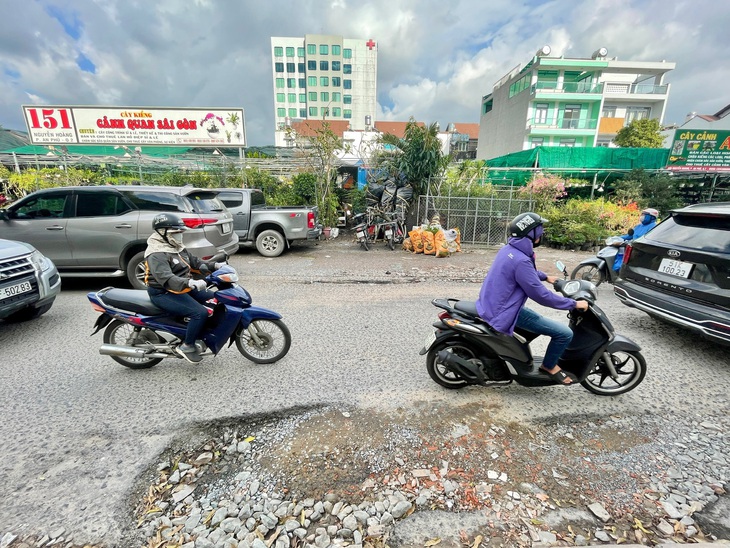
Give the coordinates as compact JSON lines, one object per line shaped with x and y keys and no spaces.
{"x":630,"y":367}
{"x":439,"y":372}
{"x":590,"y":273}
{"x":122,"y":334}
{"x":264,"y":341}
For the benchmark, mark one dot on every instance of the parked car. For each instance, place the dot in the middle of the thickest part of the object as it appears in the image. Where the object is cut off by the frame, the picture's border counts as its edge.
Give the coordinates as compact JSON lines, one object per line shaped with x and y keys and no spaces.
{"x":102,"y":231}
{"x":679,"y":272}
{"x":272,"y":229}
{"x":29,"y":282}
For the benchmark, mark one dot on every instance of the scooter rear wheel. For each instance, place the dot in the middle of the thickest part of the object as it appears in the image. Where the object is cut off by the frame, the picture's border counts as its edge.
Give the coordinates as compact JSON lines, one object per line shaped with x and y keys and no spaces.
{"x":274,"y":341}
{"x":590,"y":273}
{"x":119,"y":333}
{"x":631,"y":369}
{"x":438,"y":371}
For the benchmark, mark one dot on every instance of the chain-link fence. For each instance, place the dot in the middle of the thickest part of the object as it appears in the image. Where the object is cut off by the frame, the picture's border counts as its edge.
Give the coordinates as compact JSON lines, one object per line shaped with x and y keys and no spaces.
{"x":481,"y":220}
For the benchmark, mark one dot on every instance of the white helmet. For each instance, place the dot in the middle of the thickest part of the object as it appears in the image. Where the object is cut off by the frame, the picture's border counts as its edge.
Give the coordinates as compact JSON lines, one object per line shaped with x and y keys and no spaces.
{"x":650,"y":211}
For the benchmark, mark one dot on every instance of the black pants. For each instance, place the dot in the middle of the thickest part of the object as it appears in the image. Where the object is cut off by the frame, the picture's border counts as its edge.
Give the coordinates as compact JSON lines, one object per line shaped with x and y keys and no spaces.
{"x":184,"y":304}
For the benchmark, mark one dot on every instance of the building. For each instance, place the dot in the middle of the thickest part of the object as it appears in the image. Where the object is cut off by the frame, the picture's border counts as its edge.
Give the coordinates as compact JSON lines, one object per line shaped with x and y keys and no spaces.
{"x":463,"y":141}
{"x":558,"y":101}
{"x":323,"y":76}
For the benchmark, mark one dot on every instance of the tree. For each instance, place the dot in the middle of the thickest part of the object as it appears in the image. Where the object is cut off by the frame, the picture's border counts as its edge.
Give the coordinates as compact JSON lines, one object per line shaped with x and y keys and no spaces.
{"x":640,"y":133}
{"x":657,"y":191}
{"x":416,"y":157}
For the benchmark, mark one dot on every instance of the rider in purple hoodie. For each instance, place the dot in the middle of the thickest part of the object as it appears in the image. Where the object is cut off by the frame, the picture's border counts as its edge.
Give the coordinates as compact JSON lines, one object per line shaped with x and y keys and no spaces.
{"x":512,"y":279}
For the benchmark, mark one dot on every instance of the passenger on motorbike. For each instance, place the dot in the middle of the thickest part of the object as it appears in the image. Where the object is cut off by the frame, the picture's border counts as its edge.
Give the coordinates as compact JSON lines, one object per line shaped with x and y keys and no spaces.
{"x":169,"y":268}
{"x":647,"y":221}
{"x":512,"y":279}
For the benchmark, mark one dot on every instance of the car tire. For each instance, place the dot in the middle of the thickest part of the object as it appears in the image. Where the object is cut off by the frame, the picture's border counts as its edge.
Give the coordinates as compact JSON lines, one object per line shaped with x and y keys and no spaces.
{"x":136,"y":271}
{"x":29,"y":313}
{"x":270,"y":243}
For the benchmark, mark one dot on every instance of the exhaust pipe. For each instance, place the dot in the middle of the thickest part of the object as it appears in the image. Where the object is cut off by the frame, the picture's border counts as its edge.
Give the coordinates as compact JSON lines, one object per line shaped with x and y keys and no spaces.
{"x":128,"y":352}
{"x":464,"y":369}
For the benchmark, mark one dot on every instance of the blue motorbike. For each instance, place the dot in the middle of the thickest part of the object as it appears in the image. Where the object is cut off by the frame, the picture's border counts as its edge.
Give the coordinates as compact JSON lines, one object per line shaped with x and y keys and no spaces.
{"x":140,"y":335}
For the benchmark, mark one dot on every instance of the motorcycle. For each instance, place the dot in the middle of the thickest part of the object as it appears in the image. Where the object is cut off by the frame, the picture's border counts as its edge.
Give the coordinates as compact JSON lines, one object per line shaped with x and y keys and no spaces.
{"x":464,"y":350}
{"x":599,"y":269}
{"x":139,"y":335}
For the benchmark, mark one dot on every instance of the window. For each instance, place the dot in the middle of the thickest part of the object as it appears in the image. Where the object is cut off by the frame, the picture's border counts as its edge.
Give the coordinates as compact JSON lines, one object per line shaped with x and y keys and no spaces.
{"x":347,"y":84}
{"x":279,"y":67}
{"x":348,"y":114}
{"x":336,"y":111}
{"x":487,"y":106}
{"x":325,"y":111}
{"x":43,"y":206}
{"x":347,"y":53}
{"x":156,"y":201}
{"x":536,"y":142}
{"x":608,"y":112}
{"x":311,"y":81}
{"x":231,"y":199}
{"x":324,"y":65}
{"x":280,"y":97}
{"x":293,"y":112}
{"x":300,"y":52}
{"x":313,"y":111}
{"x":324,"y":81}
{"x":311,"y":65}
{"x":291,"y":67}
{"x":336,"y":50}
{"x":311,"y":49}
{"x":336,"y":81}
{"x":279,"y":83}
{"x":336,"y":96}
{"x":347,"y":69}
{"x":302,"y":83}
{"x":290,"y":52}
{"x":281,"y":112}
{"x":636,"y":113}
{"x":99,"y":204}
{"x":520,"y":85}
{"x":278,"y":51}
{"x":302,"y":97}
{"x":324,"y":96}
{"x":336,"y":65}
{"x":541,"y":113}
{"x":292,"y":97}
{"x":302,"y":112}
{"x":300,"y":67}
{"x":571,"y":117}
{"x":324,"y":49}
{"x":604,"y":144}
{"x":312,"y":95}
{"x":567,"y":142}
{"x":291,"y":82}
{"x":347,"y":99}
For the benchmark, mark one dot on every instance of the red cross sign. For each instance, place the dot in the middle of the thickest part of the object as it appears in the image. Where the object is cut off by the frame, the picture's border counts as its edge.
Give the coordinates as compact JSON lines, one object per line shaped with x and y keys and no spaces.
{"x":370,"y":44}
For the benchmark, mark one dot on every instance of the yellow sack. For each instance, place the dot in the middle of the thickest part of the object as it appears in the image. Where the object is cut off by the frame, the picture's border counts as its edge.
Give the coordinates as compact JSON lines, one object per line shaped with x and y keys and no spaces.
{"x":429,"y":247}
{"x":408,"y":244}
{"x":440,"y":244}
{"x":416,"y":240}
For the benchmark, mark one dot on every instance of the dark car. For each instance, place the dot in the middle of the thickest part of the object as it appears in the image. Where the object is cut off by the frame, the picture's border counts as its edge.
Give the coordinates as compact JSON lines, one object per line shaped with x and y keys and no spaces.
{"x":102,"y":231}
{"x":680,"y":271}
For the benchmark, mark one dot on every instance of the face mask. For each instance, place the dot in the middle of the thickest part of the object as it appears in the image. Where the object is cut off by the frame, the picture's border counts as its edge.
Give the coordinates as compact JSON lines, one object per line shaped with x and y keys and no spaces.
{"x":645,"y":219}
{"x":175,"y":238}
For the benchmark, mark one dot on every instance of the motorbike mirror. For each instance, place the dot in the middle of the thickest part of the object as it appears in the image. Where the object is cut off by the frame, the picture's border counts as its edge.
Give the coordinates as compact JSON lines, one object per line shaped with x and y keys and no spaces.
{"x":631,"y":232}
{"x":562,"y":268}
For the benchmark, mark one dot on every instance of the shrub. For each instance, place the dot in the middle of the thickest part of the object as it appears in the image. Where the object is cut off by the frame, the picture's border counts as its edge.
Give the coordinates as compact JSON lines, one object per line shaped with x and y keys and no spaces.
{"x":544,"y":189}
{"x":583,"y":223}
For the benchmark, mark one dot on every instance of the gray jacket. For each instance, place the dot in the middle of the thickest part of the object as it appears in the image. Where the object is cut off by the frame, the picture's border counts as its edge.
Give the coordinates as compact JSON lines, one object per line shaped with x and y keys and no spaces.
{"x":169,"y":267}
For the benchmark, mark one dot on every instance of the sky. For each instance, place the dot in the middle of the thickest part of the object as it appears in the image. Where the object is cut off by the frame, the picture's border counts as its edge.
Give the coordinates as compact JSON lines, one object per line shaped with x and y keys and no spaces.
{"x":436,"y":58}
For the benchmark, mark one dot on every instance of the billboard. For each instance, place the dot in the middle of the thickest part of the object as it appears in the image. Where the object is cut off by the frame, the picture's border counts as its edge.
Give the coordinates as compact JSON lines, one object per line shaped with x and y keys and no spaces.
{"x":700,"y":150}
{"x":192,"y":127}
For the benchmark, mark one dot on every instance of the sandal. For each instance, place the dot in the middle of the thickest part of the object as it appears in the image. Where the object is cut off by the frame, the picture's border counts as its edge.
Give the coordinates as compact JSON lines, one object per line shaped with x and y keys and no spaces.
{"x":560,"y":376}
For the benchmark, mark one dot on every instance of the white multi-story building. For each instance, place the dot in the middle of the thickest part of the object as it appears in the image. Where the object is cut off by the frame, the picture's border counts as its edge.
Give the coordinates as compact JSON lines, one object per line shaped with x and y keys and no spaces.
{"x":323,"y":76}
{"x":558,"y":101}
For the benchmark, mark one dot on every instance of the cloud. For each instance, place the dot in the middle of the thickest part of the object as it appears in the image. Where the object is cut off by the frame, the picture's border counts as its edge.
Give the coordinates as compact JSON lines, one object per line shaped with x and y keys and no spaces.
{"x":435,"y":60}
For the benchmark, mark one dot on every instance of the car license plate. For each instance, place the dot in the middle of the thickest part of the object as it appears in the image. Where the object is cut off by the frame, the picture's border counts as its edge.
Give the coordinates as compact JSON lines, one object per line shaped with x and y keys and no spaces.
{"x":13,"y":290}
{"x":226,"y":228}
{"x":676,"y":268}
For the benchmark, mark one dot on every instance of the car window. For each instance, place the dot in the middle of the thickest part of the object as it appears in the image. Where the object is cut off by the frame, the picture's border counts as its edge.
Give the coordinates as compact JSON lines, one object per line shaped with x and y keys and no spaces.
{"x":705,"y":233}
{"x":99,"y":204}
{"x":41,"y":207}
{"x":231,"y":199}
{"x":257,"y":199}
{"x":205,"y":202}
{"x":156,"y":201}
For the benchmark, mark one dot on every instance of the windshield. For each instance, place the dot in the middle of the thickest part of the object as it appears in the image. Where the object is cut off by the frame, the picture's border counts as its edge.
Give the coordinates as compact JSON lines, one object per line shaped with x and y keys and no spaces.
{"x":205,"y":202}
{"x":693,"y":231}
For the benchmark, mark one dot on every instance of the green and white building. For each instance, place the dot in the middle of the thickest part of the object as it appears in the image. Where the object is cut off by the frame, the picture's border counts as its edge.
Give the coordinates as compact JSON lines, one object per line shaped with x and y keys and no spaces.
{"x":323,"y":76}
{"x":558,"y":101}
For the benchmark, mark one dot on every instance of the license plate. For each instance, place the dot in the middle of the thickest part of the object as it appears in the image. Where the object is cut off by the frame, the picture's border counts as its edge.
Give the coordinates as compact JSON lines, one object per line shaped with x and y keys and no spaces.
{"x":13,"y":290}
{"x":429,"y":340}
{"x":675,"y":268}
{"x":360,"y":234}
{"x":388,"y":233}
{"x":226,"y":228}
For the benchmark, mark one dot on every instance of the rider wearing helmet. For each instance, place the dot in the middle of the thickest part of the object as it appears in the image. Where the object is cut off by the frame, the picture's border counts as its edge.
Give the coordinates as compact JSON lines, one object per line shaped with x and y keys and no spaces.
{"x":647,"y":222}
{"x":169,"y":268}
{"x":512,"y":279}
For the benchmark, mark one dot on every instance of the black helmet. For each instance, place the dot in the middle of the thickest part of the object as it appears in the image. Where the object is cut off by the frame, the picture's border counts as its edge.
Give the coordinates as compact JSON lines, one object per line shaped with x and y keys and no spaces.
{"x":169,"y":221}
{"x":524,"y":223}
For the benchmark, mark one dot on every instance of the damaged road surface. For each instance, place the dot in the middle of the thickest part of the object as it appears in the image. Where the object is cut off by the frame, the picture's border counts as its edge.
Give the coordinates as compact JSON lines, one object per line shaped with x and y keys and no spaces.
{"x":347,"y":439}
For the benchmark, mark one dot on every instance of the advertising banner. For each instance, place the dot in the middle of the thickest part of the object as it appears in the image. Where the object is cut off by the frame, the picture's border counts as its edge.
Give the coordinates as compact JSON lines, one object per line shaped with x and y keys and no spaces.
{"x":192,"y":127}
{"x":700,"y":150}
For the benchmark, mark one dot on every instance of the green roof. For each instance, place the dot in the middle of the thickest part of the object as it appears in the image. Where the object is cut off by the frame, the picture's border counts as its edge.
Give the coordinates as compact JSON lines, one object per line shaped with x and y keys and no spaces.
{"x":92,"y":150}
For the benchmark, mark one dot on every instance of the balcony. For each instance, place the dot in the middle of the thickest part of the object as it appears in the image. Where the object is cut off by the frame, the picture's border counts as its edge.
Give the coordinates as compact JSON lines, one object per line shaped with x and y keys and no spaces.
{"x":636,"y":89}
{"x":567,"y":87}
{"x":540,"y":124}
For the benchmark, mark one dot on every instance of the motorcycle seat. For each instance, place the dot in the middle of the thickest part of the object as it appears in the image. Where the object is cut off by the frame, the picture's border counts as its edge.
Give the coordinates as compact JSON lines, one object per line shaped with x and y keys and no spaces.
{"x":133,"y":300}
{"x":469,"y":308}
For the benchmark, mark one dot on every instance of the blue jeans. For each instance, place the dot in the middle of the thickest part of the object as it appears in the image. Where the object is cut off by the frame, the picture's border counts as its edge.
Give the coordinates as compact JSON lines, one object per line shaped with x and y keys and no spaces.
{"x":184,"y":304}
{"x":560,"y":334}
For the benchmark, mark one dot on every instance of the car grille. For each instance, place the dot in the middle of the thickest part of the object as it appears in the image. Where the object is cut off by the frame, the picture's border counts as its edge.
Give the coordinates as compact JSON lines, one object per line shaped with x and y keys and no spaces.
{"x":18,"y":270}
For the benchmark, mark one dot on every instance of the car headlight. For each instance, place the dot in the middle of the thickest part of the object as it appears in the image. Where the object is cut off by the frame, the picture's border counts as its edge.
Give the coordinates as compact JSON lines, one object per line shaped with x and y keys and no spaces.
{"x":40,"y":261}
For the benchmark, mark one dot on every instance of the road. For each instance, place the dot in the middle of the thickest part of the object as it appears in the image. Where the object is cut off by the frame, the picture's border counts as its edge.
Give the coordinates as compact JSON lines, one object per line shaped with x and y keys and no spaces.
{"x":79,"y":429}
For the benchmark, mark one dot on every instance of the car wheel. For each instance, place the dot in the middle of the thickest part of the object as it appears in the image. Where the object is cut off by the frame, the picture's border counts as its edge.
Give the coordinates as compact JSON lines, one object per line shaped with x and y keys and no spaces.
{"x":270,"y":243}
{"x":136,"y":271}
{"x":29,"y":313}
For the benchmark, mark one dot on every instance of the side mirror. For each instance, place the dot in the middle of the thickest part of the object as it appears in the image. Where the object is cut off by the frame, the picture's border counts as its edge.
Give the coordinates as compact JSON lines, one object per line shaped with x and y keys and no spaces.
{"x":562,"y":268}
{"x":631,"y":232}
{"x":4,"y":215}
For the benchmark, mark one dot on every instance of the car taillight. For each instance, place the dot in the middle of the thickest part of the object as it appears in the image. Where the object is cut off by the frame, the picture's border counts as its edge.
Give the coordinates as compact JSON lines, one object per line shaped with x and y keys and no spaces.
{"x":627,"y":254}
{"x":196,"y":222}
{"x":310,"y":219}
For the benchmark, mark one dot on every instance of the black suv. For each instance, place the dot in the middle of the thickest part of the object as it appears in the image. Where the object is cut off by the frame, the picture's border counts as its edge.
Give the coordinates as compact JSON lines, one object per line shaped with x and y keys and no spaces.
{"x":679,"y":272}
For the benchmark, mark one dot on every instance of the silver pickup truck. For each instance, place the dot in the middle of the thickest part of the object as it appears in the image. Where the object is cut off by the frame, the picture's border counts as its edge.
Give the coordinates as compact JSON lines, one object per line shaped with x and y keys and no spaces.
{"x":271,"y":229}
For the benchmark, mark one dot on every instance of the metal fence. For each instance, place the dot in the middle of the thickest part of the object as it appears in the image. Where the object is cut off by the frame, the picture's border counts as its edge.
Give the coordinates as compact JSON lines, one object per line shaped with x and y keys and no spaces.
{"x":481,"y":220}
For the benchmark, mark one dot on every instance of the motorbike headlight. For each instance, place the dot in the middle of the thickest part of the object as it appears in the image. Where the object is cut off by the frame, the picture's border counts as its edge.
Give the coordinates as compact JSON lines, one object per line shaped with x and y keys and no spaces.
{"x":230,"y":277}
{"x":571,"y":287}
